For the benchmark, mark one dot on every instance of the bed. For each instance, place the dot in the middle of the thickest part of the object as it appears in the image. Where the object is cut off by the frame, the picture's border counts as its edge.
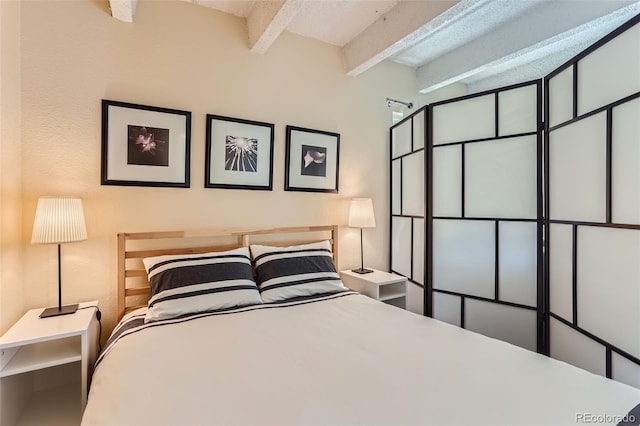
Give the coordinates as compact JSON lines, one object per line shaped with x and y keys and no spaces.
{"x":328,"y":358}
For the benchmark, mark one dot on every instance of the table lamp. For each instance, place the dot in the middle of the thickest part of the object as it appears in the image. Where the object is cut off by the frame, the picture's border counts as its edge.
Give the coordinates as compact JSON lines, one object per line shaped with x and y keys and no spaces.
{"x":59,"y":220}
{"x":361,"y":216}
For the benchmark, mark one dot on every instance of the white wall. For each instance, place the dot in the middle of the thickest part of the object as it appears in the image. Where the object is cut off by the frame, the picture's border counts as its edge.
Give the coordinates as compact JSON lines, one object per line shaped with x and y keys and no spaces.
{"x":182,"y":56}
{"x":10,"y":166}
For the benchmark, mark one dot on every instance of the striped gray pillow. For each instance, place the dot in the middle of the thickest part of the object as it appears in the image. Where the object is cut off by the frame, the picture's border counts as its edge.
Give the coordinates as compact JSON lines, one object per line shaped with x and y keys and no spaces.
{"x":295,"y":271}
{"x":192,"y":283}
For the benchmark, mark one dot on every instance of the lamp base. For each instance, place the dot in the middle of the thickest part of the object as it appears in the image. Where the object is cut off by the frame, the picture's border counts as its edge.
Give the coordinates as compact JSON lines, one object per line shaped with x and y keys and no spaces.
{"x":362,"y":271}
{"x":54,"y":312}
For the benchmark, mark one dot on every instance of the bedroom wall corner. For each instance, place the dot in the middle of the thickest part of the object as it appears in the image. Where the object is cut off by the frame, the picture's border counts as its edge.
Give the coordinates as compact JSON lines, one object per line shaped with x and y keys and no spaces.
{"x":180,"y":55}
{"x":11,"y":295}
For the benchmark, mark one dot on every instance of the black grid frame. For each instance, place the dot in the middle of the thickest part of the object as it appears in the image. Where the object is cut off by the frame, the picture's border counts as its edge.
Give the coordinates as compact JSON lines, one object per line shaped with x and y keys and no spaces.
{"x":418,"y":118}
{"x":576,"y":225}
{"x":538,"y":220}
{"x":543,"y":220}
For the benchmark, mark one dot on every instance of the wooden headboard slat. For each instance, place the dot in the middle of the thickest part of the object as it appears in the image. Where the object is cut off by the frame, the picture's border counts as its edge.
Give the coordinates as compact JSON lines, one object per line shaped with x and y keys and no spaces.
{"x":153,"y":235}
{"x":243,"y":237}
{"x":137,"y":291}
{"x":140,"y":254}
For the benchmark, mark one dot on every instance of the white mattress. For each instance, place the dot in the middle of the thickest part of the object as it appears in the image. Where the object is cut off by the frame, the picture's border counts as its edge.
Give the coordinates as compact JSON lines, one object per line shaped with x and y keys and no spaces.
{"x":338,"y":361}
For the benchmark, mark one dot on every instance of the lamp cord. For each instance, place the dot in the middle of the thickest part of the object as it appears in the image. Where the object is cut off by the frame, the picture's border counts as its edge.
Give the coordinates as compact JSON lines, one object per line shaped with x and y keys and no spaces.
{"x":99,"y":318}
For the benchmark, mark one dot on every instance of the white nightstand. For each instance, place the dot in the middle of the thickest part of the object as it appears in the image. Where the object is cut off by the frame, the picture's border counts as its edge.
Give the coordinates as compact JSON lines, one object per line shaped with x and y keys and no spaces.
{"x":46,"y":366}
{"x":384,"y":286}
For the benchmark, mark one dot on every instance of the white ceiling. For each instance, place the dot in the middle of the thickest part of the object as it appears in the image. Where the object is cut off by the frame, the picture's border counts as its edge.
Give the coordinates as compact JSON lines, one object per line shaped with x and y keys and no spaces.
{"x":332,"y":21}
{"x":481,"y":43}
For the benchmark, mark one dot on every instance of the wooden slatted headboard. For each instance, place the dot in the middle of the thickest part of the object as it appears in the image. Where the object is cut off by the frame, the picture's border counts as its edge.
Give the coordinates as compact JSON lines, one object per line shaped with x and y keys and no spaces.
{"x":132,"y":277}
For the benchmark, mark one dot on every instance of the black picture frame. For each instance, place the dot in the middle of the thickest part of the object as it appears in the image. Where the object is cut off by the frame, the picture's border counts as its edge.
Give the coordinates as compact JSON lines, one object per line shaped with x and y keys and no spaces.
{"x":312,"y":162}
{"x":239,"y":153}
{"x":145,"y":145}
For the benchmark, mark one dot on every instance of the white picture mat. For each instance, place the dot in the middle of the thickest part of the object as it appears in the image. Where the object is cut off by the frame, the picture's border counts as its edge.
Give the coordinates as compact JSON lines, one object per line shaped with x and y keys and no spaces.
{"x":625,"y":166}
{"x":464,"y":120}
{"x":401,"y":245}
{"x":624,"y":370}
{"x":401,"y":139}
{"x":396,"y":186}
{"x":561,"y":97}
{"x":577,"y":158}
{"x":418,"y":251}
{"x":220,"y":129}
{"x":118,"y":141}
{"x":447,"y":181}
{"x":446,"y":307}
{"x":610,"y":73}
{"x":413,"y":184}
{"x":514,"y":325}
{"x":330,"y":142}
{"x":609,"y":285}
{"x":575,"y":348}
{"x":501,"y":178}
{"x":561,"y":270}
{"x":418,"y":130}
{"x":518,"y":110}
{"x":518,"y":243}
{"x":464,"y":256}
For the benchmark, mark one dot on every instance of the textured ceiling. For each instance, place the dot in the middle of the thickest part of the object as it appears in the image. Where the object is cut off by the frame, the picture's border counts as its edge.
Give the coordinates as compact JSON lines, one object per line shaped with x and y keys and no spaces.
{"x":481,"y":18}
{"x":337,"y":22}
{"x":482,"y":43}
{"x":332,"y":21}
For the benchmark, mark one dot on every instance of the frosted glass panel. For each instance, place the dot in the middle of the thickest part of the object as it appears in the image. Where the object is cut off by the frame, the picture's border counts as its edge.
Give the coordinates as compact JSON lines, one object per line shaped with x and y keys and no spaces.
{"x":401,"y":139}
{"x":447,"y":181}
{"x":561,"y":97}
{"x":625,"y":371}
{"x":578,"y":170}
{"x":625,"y":169}
{"x":464,"y":256}
{"x":446,"y":307}
{"x":500,"y":178}
{"x":413,"y":184}
{"x":561,"y":270}
{"x":610,"y":73}
{"x":415,"y":298}
{"x":513,"y":325}
{"x":518,"y":262}
{"x":518,"y":111}
{"x":395,"y":186}
{"x":609,"y":285}
{"x":418,"y":130}
{"x":464,"y":120}
{"x":418,"y":250}
{"x":401,"y":245}
{"x":575,"y":348}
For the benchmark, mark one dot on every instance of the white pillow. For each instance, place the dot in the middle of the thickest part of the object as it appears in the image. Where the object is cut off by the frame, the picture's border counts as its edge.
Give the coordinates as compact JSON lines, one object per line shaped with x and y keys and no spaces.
{"x":193,"y":283}
{"x":295,"y":271}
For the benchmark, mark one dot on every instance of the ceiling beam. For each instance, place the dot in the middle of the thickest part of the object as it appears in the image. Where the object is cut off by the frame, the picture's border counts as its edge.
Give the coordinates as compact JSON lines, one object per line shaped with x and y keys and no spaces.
{"x":267,"y":20}
{"x":123,"y":10}
{"x":558,"y":26}
{"x":401,"y":27}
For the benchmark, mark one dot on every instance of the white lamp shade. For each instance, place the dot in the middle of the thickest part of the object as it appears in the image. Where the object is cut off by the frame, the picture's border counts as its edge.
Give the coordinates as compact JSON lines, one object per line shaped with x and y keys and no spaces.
{"x":59,"y":220}
{"x":361,"y":213}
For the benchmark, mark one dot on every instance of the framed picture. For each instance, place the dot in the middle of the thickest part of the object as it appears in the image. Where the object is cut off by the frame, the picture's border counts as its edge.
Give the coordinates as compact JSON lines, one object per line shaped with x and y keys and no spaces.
{"x":144,"y":145}
{"x":239,"y":154}
{"x":312,"y":160}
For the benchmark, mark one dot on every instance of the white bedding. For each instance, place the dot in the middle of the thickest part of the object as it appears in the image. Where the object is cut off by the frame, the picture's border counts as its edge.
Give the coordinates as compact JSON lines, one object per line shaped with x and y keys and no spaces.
{"x":338,"y":361}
